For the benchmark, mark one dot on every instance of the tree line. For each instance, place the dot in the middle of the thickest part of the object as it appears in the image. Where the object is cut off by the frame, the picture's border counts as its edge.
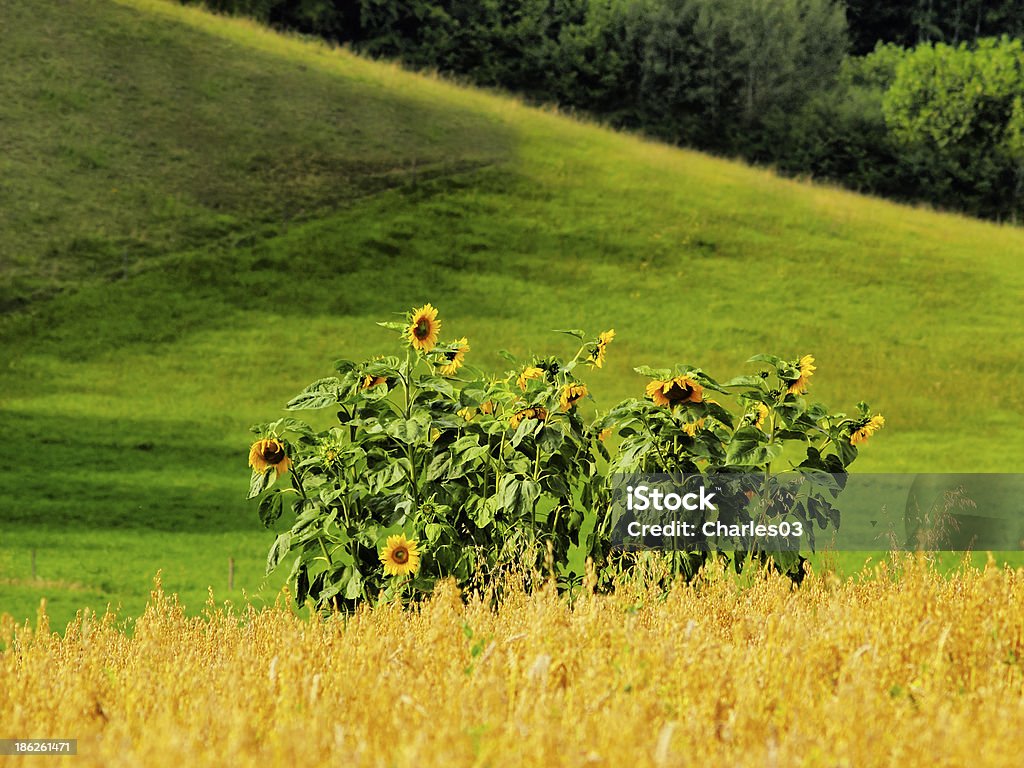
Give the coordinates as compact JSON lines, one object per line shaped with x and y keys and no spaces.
{"x":915,"y":101}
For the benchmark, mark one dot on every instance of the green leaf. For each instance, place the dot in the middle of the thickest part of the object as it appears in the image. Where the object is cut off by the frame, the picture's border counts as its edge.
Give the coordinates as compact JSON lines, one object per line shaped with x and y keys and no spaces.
{"x":278,"y":551}
{"x":750,"y":447}
{"x":574,"y":332}
{"x":770,"y":359}
{"x":526,"y":427}
{"x":755,"y":382}
{"x":260,"y":481}
{"x":433,"y":532}
{"x":438,"y":468}
{"x":718,"y":412}
{"x":354,"y":586}
{"x":406,"y":431}
{"x":550,"y":439}
{"x":654,"y":373}
{"x":517,"y":497}
{"x":271,"y":507}
{"x":394,"y":326}
{"x":320,"y":394}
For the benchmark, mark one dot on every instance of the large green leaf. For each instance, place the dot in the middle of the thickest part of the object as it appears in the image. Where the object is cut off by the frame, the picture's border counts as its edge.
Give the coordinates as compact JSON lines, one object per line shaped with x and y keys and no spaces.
{"x":260,"y":481}
{"x":271,"y":507}
{"x":279,"y":550}
{"x":750,"y":447}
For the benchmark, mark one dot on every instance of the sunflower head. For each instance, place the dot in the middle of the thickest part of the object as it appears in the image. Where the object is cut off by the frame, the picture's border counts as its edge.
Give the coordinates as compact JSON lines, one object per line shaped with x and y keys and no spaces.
{"x":758,"y":415}
{"x":452,"y":359}
{"x":670,"y":393}
{"x":693,"y":427}
{"x":805,"y":369}
{"x":400,"y":556}
{"x":534,"y":412}
{"x":269,"y":453}
{"x":330,"y":453}
{"x":601,"y":349}
{"x":373,"y":381}
{"x":424,"y":328}
{"x":867,"y":428}
{"x":604,"y":434}
{"x":529,"y":373}
{"x":572,"y":394}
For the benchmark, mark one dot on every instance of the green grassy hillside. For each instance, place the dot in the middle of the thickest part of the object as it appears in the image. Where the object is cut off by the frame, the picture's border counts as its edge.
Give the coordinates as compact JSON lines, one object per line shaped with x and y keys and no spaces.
{"x":199,"y":216}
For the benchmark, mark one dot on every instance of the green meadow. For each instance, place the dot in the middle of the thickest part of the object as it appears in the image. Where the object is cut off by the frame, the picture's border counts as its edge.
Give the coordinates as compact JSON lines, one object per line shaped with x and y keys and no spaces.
{"x":199,"y":216}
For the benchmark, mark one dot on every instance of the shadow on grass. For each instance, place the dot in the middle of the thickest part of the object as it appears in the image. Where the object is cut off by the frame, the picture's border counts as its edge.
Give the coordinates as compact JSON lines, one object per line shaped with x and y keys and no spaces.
{"x":90,"y":473}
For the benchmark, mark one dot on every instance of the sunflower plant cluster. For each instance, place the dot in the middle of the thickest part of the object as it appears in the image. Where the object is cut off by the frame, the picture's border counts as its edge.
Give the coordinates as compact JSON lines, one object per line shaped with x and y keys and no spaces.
{"x":434,"y":470}
{"x":437,"y":470}
{"x":683,"y":428}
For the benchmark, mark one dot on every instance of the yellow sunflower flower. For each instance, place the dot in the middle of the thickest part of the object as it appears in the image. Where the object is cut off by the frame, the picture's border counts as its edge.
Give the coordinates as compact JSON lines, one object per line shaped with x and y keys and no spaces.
{"x":603,"y":340}
{"x":604,"y":434}
{"x":487,"y":407}
{"x":681,"y":389}
{"x":692,"y":428}
{"x":454,"y":357}
{"x":268,"y":454}
{"x":759,"y":414}
{"x":867,"y":429}
{"x":424,"y":328}
{"x":572,"y":394}
{"x":527,"y":413}
{"x":529,"y":373}
{"x":806,"y":368}
{"x":373,"y":381}
{"x":400,"y":556}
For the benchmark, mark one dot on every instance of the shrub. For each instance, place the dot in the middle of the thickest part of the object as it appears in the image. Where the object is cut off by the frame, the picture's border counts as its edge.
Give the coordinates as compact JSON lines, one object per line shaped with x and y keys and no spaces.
{"x":436,"y":470}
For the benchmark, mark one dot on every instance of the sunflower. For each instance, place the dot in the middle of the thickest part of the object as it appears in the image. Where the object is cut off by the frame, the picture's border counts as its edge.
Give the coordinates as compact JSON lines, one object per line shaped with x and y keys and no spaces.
{"x":604,"y":434}
{"x":806,"y":369}
{"x":269,"y":453}
{"x":373,"y":381}
{"x":759,"y":414}
{"x":535,"y":412}
{"x":572,"y":394}
{"x":529,"y":373}
{"x":423,"y":328}
{"x":330,"y":453}
{"x":487,"y":407}
{"x":681,"y":389}
{"x":603,"y":340}
{"x":693,"y":427}
{"x":453,"y":358}
{"x":400,"y":556}
{"x":867,"y":429}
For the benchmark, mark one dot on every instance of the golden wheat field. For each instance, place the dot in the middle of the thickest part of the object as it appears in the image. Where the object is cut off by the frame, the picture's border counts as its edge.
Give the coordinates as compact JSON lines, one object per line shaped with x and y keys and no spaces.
{"x":901,"y":667}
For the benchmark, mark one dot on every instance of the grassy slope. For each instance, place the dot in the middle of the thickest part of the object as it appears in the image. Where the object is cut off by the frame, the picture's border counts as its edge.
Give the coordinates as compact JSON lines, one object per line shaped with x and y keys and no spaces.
{"x":199,"y":216}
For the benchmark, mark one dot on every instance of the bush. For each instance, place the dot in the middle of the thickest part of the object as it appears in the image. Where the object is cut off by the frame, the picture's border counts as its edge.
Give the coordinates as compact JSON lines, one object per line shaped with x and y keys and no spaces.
{"x":436,"y":470}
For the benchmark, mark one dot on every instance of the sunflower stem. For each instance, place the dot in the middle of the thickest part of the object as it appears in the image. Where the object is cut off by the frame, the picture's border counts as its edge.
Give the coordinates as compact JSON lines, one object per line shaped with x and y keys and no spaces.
{"x":323,"y":548}
{"x":407,"y":382}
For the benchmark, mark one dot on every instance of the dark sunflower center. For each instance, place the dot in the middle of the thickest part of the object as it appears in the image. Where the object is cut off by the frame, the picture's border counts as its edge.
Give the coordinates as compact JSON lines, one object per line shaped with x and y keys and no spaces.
{"x":450,"y":356}
{"x":422,"y":328}
{"x":273,"y":453}
{"x":678,"y":392}
{"x":400,"y":555}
